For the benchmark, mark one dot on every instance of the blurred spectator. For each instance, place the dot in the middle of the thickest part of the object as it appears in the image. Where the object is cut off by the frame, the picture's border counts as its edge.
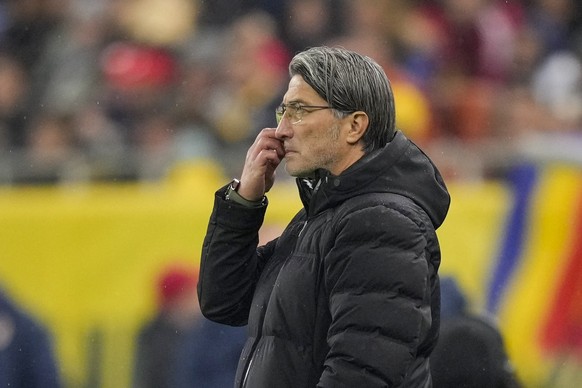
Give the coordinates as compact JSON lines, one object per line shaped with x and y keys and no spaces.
{"x":209,"y":356}
{"x":26,"y":355}
{"x":367,"y":18}
{"x":165,"y":23}
{"x":102,"y":144}
{"x":413,"y":115}
{"x":29,"y":25}
{"x":154,"y":136}
{"x":557,"y":84}
{"x":13,"y":103}
{"x":552,"y":21}
{"x":138,"y":81}
{"x":196,"y":137}
{"x":51,"y":154}
{"x":488,"y":28}
{"x":308,"y":23}
{"x":453,"y":301}
{"x":179,"y":348}
{"x":526,"y":57}
{"x":158,"y":341}
{"x":254,"y":75}
{"x":520,"y":115}
{"x":220,"y":14}
{"x":67,"y":71}
{"x":461,"y":75}
{"x":470,"y":352}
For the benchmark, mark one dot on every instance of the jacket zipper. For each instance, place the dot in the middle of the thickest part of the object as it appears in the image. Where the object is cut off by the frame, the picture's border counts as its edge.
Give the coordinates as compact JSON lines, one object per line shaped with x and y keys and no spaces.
{"x":246,"y":375}
{"x":303,"y":227}
{"x":252,"y":352}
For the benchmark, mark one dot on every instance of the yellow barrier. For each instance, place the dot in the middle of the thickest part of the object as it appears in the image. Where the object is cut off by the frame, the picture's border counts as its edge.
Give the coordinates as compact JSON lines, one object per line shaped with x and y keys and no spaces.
{"x":83,"y":258}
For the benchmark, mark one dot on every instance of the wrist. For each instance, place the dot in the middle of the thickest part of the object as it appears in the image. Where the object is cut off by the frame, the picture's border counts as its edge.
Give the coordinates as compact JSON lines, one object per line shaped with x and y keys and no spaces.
{"x":232,"y":194}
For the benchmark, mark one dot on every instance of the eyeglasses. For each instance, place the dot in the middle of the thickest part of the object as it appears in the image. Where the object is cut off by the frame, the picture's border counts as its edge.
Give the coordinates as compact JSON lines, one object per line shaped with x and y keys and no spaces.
{"x":295,"y":111}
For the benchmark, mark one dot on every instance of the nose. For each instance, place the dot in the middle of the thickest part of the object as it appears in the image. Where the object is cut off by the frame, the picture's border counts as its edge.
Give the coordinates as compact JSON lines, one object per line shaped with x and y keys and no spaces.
{"x":284,"y":129}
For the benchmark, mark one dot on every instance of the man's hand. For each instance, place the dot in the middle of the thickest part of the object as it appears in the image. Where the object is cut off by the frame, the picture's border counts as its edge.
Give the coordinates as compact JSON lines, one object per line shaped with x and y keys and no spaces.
{"x":262,"y":159}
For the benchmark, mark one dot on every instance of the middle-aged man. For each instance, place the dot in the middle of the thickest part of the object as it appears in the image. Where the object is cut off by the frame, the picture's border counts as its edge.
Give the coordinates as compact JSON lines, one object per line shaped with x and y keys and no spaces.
{"x":348,"y":295}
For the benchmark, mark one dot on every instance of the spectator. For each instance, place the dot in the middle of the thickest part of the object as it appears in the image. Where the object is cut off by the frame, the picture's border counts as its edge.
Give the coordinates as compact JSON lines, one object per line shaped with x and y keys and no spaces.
{"x":255,"y":73}
{"x":26,"y":355}
{"x":470,"y":352}
{"x":179,"y":348}
{"x":52,"y":154}
{"x":453,"y":301}
{"x":209,"y":355}
{"x":159,"y":339}
{"x":309,"y":23}
{"x":13,"y":102}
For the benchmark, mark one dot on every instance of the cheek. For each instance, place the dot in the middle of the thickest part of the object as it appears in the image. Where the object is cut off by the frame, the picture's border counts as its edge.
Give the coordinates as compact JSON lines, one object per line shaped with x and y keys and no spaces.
{"x":324,"y":148}
{"x":315,"y":143}
{"x":318,"y":143}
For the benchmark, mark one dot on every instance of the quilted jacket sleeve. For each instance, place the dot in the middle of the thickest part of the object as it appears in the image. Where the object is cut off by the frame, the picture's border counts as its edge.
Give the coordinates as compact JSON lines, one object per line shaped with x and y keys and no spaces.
{"x":377,"y":278}
{"x":231,"y":263}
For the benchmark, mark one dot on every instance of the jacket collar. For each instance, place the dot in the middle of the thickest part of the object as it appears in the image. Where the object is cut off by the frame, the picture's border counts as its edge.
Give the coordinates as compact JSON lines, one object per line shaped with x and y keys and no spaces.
{"x":400,"y":167}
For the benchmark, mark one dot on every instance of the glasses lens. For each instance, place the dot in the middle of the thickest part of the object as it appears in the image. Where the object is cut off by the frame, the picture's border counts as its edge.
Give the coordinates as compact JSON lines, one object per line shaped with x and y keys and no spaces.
{"x":293,"y":112}
{"x":279,"y":112}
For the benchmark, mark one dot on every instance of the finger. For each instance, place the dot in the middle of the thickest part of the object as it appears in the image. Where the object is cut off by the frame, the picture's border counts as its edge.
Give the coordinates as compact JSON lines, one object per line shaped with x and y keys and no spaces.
{"x":273,"y":145}
{"x":267,"y":158}
{"x":268,"y":132}
{"x":266,"y":143}
{"x":268,"y":135}
{"x":273,"y":157}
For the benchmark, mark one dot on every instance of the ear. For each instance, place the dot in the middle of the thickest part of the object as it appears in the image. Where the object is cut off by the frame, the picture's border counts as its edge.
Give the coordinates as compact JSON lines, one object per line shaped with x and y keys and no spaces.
{"x":358,"y":125}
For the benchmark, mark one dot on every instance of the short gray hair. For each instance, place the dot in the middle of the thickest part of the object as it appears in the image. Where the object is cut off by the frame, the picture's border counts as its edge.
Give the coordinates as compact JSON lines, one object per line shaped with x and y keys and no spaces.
{"x":349,"y":81}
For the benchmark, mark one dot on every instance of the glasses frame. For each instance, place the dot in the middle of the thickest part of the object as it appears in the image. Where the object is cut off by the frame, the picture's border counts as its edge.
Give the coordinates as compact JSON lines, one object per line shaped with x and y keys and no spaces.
{"x":300,"y":110}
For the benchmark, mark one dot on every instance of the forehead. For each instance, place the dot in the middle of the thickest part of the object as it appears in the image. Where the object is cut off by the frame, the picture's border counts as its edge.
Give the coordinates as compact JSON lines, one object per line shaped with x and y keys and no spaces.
{"x":300,"y":91}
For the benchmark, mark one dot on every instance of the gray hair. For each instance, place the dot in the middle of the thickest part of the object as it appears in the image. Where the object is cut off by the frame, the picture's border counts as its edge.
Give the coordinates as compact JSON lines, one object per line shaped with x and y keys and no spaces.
{"x":349,"y":82}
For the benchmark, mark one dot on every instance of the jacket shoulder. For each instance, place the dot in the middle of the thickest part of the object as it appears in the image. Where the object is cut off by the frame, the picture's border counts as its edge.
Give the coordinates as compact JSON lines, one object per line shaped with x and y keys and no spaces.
{"x":393,"y":201}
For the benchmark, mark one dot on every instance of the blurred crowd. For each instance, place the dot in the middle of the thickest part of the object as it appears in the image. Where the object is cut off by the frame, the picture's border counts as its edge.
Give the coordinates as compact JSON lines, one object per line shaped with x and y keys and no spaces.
{"x":117,"y":90}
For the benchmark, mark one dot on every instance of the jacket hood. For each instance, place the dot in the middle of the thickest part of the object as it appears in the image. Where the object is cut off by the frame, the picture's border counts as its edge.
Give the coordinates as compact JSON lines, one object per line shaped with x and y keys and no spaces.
{"x":400,"y":168}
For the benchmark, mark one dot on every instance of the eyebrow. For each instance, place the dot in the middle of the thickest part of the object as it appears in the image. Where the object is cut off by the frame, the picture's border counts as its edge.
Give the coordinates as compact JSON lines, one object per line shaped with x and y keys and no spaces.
{"x":297,"y":101}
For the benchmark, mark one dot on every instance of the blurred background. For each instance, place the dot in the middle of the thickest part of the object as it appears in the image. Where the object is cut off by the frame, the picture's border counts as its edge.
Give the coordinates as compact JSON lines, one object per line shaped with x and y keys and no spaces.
{"x":120,"y":118}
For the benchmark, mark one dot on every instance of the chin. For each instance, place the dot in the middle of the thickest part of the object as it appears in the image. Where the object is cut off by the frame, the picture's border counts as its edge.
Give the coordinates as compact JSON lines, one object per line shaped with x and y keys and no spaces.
{"x":298,"y":172}
{"x":291,"y":170}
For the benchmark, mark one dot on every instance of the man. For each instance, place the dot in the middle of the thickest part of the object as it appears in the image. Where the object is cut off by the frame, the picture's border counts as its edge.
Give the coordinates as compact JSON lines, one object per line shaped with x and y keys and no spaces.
{"x":348,"y":295}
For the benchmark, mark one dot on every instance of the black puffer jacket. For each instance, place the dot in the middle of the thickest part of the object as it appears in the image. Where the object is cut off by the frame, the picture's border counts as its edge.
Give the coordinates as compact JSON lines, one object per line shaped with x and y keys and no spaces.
{"x":348,"y":296}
